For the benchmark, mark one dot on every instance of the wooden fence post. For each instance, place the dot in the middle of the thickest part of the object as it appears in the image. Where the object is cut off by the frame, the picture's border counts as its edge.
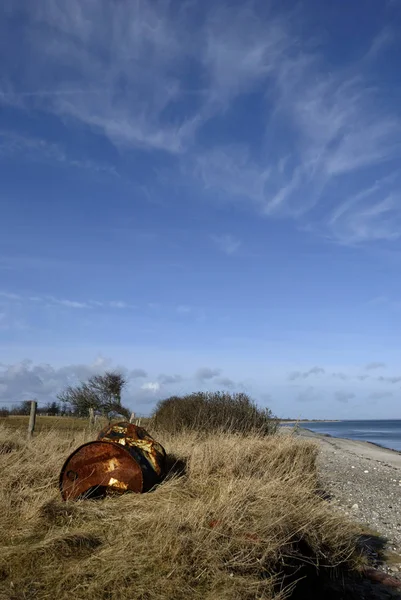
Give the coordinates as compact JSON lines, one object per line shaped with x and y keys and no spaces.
{"x":91,"y":417}
{"x":32,"y":418}
{"x":132,"y":417}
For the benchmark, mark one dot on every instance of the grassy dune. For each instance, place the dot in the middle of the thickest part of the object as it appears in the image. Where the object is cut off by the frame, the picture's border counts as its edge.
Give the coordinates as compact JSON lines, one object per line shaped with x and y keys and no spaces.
{"x":238,"y":517}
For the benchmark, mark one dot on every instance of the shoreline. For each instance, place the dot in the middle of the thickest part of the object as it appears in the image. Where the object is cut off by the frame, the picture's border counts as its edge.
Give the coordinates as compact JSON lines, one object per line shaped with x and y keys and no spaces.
{"x":334,"y":437}
{"x":363,"y":480}
{"x":292,"y":421}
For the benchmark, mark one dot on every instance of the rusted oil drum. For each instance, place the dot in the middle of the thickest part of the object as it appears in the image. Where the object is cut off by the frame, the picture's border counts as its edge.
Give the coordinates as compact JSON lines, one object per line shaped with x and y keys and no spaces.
{"x":123,"y":458}
{"x":148,"y":453}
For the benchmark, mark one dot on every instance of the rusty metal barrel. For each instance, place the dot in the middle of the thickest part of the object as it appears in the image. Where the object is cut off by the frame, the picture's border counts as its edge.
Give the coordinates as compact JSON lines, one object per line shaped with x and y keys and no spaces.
{"x":124,"y":458}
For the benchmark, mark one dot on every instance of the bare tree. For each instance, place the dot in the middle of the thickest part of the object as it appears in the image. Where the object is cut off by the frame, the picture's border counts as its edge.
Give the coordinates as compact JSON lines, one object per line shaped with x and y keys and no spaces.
{"x":100,"y":392}
{"x":23,"y":408}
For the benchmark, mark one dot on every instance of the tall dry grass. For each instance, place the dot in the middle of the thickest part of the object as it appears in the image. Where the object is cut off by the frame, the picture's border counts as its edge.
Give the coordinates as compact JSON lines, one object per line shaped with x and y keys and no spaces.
{"x":242,"y":515}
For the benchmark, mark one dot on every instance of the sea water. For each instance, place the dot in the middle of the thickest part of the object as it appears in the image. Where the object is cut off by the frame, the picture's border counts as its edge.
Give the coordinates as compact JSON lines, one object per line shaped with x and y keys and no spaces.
{"x":384,"y":433}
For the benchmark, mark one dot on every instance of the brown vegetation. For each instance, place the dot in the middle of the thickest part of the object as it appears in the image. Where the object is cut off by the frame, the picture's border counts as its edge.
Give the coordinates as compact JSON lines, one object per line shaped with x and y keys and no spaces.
{"x":213,"y":411}
{"x":237,"y":518}
{"x":43,"y":423}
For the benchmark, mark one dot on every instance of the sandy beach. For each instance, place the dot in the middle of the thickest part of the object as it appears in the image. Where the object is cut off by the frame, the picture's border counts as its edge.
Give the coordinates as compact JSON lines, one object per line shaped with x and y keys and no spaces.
{"x":364,"y":481}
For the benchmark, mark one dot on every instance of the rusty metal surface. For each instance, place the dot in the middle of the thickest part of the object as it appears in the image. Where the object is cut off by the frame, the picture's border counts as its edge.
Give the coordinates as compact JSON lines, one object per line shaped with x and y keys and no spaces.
{"x":124,"y":458}
{"x":132,"y":436}
{"x":97,"y":466}
{"x":148,"y":453}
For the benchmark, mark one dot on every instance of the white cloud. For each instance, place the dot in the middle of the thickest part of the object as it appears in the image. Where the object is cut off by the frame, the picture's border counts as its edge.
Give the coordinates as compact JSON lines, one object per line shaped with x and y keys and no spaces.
{"x":10,"y":296}
{"x":27,"y":380}
{"x":40,"y":150}
{"x":152,"y":386}
{"x":339,"y":127}
{"x":67,"y":303}
{"x":70,"y":303}
{"x":119,"y":304}
{"x":128,"y":64}
{"x":108,"y":49}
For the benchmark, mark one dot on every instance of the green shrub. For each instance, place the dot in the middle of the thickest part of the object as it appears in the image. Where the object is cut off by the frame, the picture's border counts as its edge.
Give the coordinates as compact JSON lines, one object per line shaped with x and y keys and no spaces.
{"x":213,"y":411}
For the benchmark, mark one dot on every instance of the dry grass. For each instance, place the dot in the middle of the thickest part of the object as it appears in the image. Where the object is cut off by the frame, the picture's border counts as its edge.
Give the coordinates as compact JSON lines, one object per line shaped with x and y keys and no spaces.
{"x":45,"y":423}
{"x":243,"y":514}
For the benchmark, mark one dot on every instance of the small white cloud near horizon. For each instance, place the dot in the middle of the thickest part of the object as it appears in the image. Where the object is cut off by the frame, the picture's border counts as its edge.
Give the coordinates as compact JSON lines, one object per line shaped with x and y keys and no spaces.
{"x":151,"y":386}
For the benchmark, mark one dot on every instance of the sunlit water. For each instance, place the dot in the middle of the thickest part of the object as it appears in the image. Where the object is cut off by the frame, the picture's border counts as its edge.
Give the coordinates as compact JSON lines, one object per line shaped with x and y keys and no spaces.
{"x":385,"y":433}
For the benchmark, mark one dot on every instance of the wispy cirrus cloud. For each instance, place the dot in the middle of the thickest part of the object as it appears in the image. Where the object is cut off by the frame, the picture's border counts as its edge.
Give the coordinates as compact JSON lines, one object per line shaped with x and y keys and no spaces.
{"x":33,"y":149}
{"x":383,"y":40}
{"x":340,"y":129}
{"x":10,"y":296}
{"x":329,"y":146}
{"x":64,"y":302}
{"x":131,"y":43}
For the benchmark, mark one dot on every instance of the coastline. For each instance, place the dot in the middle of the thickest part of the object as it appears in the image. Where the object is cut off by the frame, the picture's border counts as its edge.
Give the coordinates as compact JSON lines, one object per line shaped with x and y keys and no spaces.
{"x":329,"y":435}
{"x":292,"y":421}
{"x":362,"y":448}
{"x":363,"y":481}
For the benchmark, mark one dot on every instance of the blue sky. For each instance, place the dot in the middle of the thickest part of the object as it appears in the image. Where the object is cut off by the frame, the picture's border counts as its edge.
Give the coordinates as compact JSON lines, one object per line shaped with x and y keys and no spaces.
{"x":206,"y":196}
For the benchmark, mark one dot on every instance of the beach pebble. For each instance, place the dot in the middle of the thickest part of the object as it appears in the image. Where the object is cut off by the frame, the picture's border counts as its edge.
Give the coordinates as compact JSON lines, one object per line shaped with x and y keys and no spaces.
{"x":366,"y":471}
{"x":355,"y":507}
